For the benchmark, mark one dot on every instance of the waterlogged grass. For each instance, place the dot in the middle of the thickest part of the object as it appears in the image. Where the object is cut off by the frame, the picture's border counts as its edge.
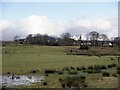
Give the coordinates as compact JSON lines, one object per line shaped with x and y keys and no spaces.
{"x":24,"y":59}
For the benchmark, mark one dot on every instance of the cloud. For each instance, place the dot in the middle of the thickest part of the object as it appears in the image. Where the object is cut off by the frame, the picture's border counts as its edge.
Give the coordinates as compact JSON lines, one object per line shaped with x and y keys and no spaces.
{"x":84,"y":26}
{"x":31,"y":25}
{"x":39,"y":24}
{"x":44,"y":25}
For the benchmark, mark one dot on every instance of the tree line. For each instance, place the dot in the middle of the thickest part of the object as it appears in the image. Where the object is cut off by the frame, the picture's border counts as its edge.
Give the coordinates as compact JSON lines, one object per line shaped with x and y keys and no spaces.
{"x":93,"y":38}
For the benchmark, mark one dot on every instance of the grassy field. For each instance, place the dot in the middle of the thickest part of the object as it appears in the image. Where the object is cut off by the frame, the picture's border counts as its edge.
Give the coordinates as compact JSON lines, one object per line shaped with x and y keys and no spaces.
{"x":23,"y":59}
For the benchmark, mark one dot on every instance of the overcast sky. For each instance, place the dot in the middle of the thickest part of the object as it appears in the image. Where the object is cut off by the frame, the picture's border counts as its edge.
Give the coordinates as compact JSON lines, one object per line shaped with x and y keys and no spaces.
{"x":55,"y":18}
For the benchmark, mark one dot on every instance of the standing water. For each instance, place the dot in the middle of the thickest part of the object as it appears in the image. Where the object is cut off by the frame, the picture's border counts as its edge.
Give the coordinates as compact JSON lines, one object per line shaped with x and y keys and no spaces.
{"x":17,"y":80}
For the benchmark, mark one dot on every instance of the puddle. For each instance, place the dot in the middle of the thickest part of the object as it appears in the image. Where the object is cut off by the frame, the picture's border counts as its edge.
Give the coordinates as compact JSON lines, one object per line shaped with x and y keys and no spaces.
{"x":17,"y":80}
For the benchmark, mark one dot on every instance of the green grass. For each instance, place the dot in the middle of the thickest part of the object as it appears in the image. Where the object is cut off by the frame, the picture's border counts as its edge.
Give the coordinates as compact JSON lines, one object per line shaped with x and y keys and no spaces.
{"x":28,"y":58}
{"x":43,"y":57}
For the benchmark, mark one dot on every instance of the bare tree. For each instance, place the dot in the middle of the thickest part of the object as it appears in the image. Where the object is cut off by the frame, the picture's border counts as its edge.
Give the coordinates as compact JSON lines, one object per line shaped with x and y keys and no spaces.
{"x":45,"y":39}
{"x":66,"y":35}
{"x":93,"y":37}
{"x":66,"y":39}
{"x":29,"y":39}
{"x":103,"y":38}
{"x":117,"y":41}
{"x":16,"y":39}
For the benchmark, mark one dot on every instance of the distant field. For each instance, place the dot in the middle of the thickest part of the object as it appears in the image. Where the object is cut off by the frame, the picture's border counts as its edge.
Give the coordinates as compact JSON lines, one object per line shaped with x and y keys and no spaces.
{"x":24,"y":59}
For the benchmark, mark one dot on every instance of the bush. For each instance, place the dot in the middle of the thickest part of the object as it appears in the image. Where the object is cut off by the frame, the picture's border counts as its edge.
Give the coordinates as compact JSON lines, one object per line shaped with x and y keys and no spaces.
{"x":50,"y":71}
{"x":75,"y":81}
{"x":83,"y":68}
{"x":46,"y":74}
{"x":62,"y":83}
{"x":113,"y":65}
{"x":45,"y":83}
{"x":8,"y":73}
{"x":105,"y":74}
{"x":98,"y":67}
{"x":67,"y":68}
{"x":118,"y":58}
{"x":78,"y":68}
{"x":95,"y":69}
{"x":61,"y":80}
{"x":90,"y":67}
{"x":84,"y":85}
{"x":72,"y":67}
{"x":103,"y":67}
{"x":111,"y":58}
{"x":84,"y":47}
{"x":109,"y":66}
{"x":82,"y":78}
{"x":60,"y":72}
{"x":33,"y":71}
{"x":114,"y":75}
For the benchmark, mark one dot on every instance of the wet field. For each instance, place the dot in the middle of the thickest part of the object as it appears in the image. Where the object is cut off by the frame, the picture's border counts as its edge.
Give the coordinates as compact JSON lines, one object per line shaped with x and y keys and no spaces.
{"x":18,"y":80}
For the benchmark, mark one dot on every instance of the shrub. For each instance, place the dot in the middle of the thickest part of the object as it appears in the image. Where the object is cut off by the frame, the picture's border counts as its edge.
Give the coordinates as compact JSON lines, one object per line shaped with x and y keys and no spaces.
{"x":8,"y":73}
{"x":98,"y":67}
{"x":103,"y":67}
{"x":118,"y":58}
{"x":114,"y":75}
{"x":50,"y":71}
{"x":113,"y":65}
{"x":67,"y":68}
{"x":68,"y":53}
{"x":95,"y":69}
{"x":78,"y":68}
{"x":75,"y":81}
{"x":82,"y":78}
{"x":111,"y":58}
{"x":83,"y":68}
{"x":46,"y":74}
{"x":105,"y":74}
{"x":33,"y":71}
{"x":84,"y":85}
{"x":90,"y":67}
{"x":109,"y":66}
{"x":84,"y":47}
{"x":77,"y":53}
{"x":45,"y":83}
{"x":60,"y":72}
{"x":62,"y":82}
{"x":72,"y":67}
